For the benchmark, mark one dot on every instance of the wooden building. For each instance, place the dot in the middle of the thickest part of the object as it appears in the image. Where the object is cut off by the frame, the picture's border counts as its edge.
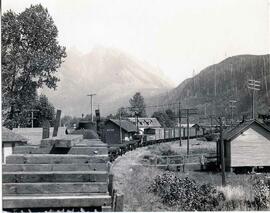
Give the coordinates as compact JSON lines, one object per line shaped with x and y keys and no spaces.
{"x":111,"y":132}
{"x":247,"y":145}
{"x":9,"y":141}
{"x":144,"y":123}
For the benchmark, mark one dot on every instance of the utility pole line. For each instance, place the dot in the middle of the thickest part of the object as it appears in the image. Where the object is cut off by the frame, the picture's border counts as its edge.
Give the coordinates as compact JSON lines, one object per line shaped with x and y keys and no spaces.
{"x":254,"y":86}
{"x":91,"y":102}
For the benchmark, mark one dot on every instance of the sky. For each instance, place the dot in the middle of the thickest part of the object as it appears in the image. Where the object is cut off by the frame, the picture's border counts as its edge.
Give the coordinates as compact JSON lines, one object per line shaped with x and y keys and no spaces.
{"x":181,"y":37}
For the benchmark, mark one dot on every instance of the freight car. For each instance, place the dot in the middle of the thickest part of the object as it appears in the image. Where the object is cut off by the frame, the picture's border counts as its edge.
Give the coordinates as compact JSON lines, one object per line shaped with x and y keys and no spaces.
{"x":152,"y":136}
{"x":158,"y":135}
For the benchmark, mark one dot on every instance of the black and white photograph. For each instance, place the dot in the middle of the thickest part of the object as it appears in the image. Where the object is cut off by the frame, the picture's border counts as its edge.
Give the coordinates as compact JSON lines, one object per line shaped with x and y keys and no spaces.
{"x":135,"y":105}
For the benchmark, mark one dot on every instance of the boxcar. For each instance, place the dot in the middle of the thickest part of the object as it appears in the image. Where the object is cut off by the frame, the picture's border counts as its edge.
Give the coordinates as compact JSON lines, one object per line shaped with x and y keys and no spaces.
{"x":166,"y":133}
{"x":159,"y":132}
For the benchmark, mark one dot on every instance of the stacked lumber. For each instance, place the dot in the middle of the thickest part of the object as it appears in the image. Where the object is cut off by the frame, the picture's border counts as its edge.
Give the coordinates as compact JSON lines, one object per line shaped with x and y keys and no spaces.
{"x":58,"y":174}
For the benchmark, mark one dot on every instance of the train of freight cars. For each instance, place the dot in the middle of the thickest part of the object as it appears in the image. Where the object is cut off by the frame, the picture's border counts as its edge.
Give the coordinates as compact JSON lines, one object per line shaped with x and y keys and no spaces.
{"x":167,"y":134}
{"x":152,"y":136}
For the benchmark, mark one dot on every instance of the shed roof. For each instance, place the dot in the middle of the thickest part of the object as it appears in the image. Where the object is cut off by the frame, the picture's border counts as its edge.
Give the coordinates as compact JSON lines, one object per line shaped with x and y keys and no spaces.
{"x":234,"y":132}
{"x":146,"y":122}
{"x":185,"y":125}
{"x":9,"y":136}
{"x":125,"y":124}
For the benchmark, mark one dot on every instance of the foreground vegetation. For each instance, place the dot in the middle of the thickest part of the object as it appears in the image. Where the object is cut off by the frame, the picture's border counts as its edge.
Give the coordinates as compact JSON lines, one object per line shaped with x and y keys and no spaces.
{"x":153,"y":189}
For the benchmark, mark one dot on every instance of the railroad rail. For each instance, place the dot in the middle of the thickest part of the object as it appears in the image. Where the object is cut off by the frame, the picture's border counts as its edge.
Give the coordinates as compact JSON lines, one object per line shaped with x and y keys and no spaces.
{"x":116,"y":150}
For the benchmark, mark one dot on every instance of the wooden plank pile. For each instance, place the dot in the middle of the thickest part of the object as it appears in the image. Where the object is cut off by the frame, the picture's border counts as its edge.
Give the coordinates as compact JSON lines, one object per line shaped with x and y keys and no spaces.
{"x":58,"y":174}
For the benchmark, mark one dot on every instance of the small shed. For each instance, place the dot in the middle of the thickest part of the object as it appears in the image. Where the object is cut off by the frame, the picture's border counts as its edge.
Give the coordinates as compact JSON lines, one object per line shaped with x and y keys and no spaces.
{"x":247,"y":145}
{"x":186,"y":125}
{"x":198,"y":129}
{"x":9,"y":141}
{"x":112,"y":131}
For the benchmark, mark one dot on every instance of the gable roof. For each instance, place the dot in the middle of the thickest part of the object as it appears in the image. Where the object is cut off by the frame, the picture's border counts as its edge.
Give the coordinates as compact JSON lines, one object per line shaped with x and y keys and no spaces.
{"x":125,"y":124}
{"x":146,"y":122}
{"x":9,"y":136}
{"x":234,"y":132}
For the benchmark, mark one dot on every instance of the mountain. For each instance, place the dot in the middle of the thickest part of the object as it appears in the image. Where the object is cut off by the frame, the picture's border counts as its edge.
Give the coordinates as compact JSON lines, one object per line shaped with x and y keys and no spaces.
{"x":110,"y":73}
{"x":211,"y":89}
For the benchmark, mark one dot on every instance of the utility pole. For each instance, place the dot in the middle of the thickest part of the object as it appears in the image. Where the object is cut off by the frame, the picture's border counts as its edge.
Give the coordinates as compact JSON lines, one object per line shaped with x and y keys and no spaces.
{"x":120,"y":127}
{"x":254,"y":86}
{"x":136,"y":114}
{"x":91,"y":102}
{"x":222,"y":153}
{"x":188,"y":132}
{"x":32,"y":119}
{"x":32,"y":116}
{"x":232,"y":106}
{"x":215,"y":81}
{"x":188,"y":112}
{"x":211,"y":123}
{"x":179,"y":114}
{"x":137,"y":121}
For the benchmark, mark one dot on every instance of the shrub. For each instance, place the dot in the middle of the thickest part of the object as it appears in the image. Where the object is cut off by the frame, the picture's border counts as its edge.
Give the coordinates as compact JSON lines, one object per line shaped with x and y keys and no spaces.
{"x":232,"y":192}
{"x":261,"y":193}
{"x":185,"y":193}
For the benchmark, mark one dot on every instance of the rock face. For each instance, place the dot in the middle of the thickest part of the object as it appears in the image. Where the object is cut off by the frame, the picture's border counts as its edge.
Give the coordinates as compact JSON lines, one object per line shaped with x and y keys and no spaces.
{"x":113,"y":75}
{"x":218,"y":83}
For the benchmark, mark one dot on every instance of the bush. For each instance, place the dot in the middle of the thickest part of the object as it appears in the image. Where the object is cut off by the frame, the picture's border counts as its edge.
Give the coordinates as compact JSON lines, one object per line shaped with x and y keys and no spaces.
{"x":261,"y":193}
{"x":185,"y":193}
{"x":164,"y":150}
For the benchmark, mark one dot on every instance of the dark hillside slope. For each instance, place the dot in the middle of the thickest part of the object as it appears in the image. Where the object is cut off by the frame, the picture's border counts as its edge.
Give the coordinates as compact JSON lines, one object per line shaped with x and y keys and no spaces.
{"x":211,"y":89}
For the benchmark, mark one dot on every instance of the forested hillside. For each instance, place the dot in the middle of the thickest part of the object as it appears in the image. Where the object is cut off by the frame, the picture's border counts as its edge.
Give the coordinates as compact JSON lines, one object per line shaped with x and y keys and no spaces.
{"x":211,"y":89}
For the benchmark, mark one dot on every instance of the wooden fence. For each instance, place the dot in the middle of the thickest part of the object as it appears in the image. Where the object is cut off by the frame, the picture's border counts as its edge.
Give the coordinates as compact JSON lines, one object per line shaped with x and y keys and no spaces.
{"x":179,"y":161}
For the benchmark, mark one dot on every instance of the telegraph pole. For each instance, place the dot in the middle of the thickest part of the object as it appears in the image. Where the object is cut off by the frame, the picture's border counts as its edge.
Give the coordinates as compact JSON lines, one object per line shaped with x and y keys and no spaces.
{"x":222,"y":153}
{"x":211,"y":123}
{"x":187,"y":131}
{"x":188,"y":112}
{"x":179,"y":114}
{"x":254,"y":86}
{"x":120,"y":127}
{"x":232,"y":106}
{"x":91,"y":102}
{"x":32,"y":116}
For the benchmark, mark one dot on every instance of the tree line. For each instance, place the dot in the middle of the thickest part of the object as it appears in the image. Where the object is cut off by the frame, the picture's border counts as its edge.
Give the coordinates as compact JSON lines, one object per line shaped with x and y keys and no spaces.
{"x":136,"y":108}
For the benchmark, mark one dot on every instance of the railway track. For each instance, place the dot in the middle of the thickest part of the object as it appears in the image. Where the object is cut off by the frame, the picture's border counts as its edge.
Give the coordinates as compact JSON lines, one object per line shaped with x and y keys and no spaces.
{"x":116,"y":150}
